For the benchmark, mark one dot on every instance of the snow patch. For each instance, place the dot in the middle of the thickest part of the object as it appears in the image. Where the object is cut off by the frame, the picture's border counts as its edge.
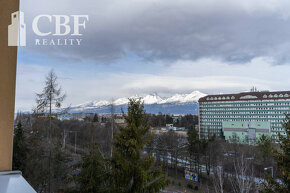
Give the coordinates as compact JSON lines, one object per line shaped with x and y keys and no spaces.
{"x":148,"y":99}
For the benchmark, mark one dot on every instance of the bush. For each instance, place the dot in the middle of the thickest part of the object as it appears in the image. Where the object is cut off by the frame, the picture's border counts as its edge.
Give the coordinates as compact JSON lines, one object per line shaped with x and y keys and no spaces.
{"x":179,"y":183}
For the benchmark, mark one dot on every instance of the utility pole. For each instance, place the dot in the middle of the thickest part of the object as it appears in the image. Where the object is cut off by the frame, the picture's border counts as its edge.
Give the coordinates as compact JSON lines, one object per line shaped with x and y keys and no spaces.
{"x":64,"y":140}
{"x":112,"y":126}
{"x":75,"y":142}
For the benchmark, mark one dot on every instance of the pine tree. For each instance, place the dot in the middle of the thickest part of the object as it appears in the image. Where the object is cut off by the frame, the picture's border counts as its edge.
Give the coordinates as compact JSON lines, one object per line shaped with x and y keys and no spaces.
{"x":96,"y":118}
{"x":194,"y":148}
{"x":208,"y":152}
{"x":36,"y":166}
{"x":282,"y":156}
{"x":20,"y":149}
{"x":265,"y":148}
{"x":169,"y":119}
{"x":133,"y":169}
{"x":95,"y":172}
{"x":59,"y":167}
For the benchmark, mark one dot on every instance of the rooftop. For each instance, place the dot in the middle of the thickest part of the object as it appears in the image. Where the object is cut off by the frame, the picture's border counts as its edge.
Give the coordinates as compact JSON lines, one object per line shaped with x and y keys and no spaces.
{"x":13,"y":182}
{"x":245,"y":96}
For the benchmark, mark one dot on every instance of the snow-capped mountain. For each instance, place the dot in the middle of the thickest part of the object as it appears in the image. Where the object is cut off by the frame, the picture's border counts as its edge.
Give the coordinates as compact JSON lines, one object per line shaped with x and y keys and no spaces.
{"x":184,"y":98}
{"x":178,"y":103}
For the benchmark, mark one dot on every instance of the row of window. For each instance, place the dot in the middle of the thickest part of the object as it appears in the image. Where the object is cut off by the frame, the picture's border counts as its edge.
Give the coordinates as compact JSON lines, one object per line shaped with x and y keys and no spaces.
{"x":275,"y":95}
{"x":246,"y":109}
{"x":244,"y":116}
{"x":215,"y":126}
{"x":239,"y":114}
{"x":247,"y":105}
{"x":233,"y":97}
{"x":282,"y":101}
{"x":217,"y":120}
{"x":243,"y":112}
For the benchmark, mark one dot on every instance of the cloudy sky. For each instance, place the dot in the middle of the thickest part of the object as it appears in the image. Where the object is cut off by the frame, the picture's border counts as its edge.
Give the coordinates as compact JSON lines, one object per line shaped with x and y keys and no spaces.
{"x":159,"y":46}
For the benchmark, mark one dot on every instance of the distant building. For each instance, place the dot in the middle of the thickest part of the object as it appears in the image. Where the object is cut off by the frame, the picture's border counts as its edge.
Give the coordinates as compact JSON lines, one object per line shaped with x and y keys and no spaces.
{"x":218,"y":111}
{"x":44,"y":116}
{"x":65,"y":117}
{"x":82,"y":116}
{"x":162,"y":130}
{"x":176,"y":118}
{"x":120,"y":121}
{"x":171,"y":127}
{"x":246,"y":132}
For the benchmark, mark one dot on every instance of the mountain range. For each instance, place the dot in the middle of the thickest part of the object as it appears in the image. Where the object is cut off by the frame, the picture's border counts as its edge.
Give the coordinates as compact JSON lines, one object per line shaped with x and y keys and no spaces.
{"x":176,"y":104}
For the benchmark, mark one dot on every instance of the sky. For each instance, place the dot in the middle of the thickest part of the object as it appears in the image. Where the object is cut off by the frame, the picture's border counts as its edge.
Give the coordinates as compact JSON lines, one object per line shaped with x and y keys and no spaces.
{"x":166,"y":47}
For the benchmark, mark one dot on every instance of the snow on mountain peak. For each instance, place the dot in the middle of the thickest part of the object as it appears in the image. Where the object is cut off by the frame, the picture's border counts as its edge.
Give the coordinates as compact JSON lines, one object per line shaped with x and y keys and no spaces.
{"x":152,"y":99}
{"x":149,"y":100}
{"x":101,"y":103}
{"x":184,"y":98}
{"x":121,"y":101}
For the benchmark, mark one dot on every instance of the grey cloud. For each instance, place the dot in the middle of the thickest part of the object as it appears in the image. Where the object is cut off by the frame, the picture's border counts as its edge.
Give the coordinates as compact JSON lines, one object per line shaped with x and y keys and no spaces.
{"x":228,"y":30}
{"x":178,"y":77}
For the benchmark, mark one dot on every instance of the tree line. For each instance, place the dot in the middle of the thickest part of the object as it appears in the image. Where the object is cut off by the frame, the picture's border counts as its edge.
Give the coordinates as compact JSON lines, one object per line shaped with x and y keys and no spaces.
{"x":87,"y":156}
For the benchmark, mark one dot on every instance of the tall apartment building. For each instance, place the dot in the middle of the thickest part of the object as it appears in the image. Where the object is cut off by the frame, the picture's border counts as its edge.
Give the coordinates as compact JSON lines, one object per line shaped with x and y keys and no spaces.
{"x":218,"y":112}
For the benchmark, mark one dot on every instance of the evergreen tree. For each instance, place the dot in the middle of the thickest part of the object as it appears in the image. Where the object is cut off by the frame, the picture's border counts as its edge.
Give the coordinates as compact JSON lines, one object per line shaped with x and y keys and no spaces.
{"x":96,"y":118}
{"x":36,"y":166}
{"x":169,"y":119}
{"x":265,"y":148}
{"x":133,"y":169}
{"x":282,"y":156}
{"x":195,"y":149}
{"x":95,"y":173}
{"x":208,"y":152}
{"x":59,"y":167}
{"x":20,"y":149}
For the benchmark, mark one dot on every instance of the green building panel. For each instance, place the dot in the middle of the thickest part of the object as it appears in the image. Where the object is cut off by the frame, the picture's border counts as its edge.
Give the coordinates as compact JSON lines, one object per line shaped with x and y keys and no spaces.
{"x":245,"y":132}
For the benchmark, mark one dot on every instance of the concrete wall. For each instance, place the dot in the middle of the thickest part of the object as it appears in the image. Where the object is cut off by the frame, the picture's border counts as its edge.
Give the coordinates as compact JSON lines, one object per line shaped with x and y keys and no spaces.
{"x":8,"y":59}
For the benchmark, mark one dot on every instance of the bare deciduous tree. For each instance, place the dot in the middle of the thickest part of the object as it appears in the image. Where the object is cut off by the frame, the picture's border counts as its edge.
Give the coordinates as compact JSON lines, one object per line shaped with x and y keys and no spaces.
{"x":50,"y":97}
{"x":242,"y":179}
{"x":218,"y":180}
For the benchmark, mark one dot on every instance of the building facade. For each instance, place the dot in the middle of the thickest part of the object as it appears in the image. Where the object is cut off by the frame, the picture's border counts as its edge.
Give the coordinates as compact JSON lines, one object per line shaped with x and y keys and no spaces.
{"x":82,"y":116}
{"x":245,"y":131}
{"x":216,"y":111}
